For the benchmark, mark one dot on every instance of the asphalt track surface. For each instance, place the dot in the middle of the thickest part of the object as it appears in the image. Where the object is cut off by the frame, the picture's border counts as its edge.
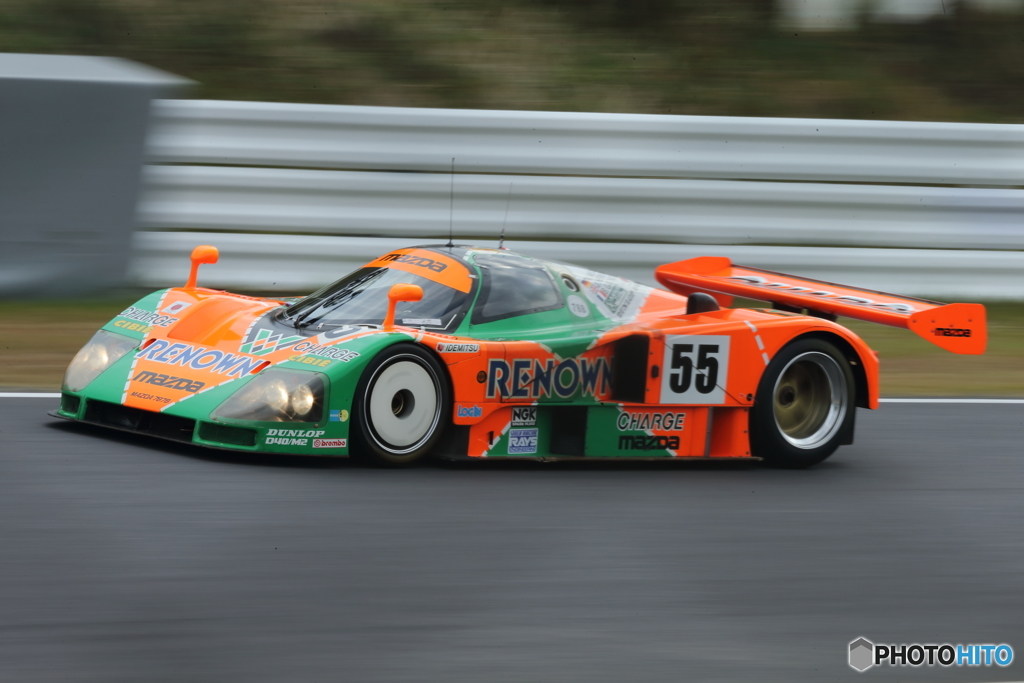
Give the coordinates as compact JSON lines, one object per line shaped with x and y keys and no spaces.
{"x":134,"y":560}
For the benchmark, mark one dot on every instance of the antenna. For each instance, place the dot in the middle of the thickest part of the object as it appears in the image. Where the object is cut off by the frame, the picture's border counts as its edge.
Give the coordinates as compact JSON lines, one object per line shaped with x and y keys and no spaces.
{"x":501,"y":242}
{"x":451,"y":206}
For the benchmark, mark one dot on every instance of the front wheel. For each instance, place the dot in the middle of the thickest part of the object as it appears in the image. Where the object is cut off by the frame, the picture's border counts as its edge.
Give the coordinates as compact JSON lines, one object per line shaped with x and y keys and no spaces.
{"x":804,"y":406}
{"x":401,"y":405}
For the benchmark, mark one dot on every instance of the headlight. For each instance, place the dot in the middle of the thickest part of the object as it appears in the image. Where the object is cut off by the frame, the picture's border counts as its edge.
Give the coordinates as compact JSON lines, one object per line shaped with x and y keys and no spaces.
{"x":277,"y":396}
{"x":102,"y":351}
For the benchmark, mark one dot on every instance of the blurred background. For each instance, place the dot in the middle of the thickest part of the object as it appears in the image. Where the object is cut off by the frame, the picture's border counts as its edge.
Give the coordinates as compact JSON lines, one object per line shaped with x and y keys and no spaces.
{"x":912,"y":60}
{"x":883,"y":149}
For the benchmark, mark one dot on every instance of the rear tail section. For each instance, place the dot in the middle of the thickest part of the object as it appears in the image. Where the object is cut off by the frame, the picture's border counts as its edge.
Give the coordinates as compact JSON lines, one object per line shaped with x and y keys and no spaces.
{"x":959,"y":328}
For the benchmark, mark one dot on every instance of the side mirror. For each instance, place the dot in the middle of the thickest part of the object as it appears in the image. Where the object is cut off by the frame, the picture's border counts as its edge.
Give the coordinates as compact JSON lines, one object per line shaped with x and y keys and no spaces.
{"x":201,"y":254}
{"x":400,"y":293}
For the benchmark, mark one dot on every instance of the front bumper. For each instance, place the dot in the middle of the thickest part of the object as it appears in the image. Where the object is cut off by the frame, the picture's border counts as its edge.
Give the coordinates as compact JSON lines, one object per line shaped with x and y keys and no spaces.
{"x":187,"y":430}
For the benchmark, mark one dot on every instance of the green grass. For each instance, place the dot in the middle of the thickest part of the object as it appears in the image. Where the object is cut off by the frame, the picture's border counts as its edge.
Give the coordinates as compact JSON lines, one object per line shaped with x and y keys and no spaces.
{"x":38,"y":340}
{"x":714,"y":57}
{"x":912,"y":366}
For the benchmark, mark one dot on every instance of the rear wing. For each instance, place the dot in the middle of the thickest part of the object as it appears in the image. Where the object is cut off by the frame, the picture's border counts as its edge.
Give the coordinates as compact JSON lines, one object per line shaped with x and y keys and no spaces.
{"x":959,"y":328}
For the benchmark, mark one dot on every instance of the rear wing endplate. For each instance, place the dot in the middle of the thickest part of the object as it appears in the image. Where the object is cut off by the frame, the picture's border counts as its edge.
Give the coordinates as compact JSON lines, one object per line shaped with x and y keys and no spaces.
{"x":959,"y":328}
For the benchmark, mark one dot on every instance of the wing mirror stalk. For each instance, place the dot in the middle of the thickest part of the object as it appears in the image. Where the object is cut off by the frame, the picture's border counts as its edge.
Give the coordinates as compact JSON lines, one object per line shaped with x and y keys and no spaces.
{"x":400,"y":292}
{"x":201,"y":254}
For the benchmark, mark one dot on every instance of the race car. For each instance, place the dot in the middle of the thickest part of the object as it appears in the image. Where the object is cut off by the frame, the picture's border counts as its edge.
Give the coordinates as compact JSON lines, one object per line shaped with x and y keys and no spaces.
{"x":466,"y":353}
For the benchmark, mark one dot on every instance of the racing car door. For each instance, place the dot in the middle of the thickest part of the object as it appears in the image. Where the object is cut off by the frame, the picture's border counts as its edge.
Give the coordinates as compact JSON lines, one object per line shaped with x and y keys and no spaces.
{"x":543,"y":332}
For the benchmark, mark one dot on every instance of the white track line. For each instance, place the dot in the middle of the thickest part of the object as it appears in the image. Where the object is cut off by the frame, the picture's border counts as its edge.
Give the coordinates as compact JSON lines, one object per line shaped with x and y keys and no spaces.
{"x":1009,"y":401}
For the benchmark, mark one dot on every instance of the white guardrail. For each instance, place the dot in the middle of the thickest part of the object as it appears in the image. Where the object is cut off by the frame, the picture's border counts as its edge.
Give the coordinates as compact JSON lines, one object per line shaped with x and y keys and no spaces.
{"x":297,"y":195}
{"x":482,"y":141}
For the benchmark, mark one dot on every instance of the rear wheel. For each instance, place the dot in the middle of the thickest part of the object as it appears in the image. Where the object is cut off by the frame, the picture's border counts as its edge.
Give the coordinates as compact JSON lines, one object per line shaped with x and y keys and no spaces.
{"x":805,"y":405}
{"x":401,"y":405}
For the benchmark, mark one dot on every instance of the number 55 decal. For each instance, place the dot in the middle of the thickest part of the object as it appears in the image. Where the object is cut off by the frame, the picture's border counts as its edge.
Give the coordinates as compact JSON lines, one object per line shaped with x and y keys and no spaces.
{"x":695,"y":369}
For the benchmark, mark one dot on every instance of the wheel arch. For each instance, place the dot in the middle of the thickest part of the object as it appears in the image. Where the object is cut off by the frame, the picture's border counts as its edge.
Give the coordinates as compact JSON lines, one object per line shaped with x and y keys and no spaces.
{"x":344,"y":378}
{"x":383,"y":346}
{"x":440,"y":361}
{"x":862,"y":362}
{"x":767,"y":439}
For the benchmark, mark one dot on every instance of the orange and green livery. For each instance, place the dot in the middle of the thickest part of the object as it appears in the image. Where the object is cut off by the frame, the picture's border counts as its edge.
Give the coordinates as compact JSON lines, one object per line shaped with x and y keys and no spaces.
{"x":466,"y":352}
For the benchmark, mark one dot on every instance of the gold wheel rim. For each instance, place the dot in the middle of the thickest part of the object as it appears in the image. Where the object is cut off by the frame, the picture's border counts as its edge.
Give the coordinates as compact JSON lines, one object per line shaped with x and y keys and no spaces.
{"x":810,"y":400}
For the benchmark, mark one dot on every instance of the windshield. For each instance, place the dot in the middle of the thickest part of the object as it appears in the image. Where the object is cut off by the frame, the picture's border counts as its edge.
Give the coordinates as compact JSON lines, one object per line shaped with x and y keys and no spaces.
{"x":361,"y":298}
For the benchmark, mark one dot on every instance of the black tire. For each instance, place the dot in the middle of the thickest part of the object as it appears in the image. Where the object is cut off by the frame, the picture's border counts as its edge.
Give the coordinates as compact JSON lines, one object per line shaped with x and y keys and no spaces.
{"x":401,"y":406}
{"x":805,"y":405}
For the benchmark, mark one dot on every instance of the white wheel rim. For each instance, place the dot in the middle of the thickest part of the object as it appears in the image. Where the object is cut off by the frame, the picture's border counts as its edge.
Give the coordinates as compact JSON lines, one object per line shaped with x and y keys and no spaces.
{"x":809,"y":400}
{"x":402,"y":405}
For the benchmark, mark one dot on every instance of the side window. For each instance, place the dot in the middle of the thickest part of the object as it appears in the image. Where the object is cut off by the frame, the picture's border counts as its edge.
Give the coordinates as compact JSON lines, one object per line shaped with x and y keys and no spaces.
{"x":513,"y":286}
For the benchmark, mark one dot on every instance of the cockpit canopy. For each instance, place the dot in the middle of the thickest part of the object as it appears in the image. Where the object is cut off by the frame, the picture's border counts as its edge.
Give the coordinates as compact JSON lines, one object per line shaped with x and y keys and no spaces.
{"x":509,"y":285}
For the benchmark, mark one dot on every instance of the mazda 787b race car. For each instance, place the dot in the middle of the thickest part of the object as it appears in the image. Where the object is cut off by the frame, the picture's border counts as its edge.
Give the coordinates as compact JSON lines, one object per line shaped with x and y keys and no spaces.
{"x":467,"y":352}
